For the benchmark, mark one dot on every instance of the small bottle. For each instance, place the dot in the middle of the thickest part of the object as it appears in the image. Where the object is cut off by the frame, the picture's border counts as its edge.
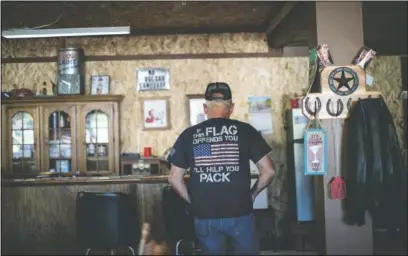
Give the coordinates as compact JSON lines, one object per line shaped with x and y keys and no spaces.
{"x":53,"y":125}
{"x":53,"y":121}
{"x":91,"y":149}
{"x":62,"y":121}
{"x":68,"y":123}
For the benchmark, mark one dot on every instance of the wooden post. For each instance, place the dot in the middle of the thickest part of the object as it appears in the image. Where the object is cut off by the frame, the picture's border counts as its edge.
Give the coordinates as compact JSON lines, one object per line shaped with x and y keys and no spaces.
{"x":340,"y":25}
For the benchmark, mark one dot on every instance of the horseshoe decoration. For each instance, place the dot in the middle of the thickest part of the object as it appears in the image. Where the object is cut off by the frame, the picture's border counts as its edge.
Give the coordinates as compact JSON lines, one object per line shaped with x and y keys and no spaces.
{"x":344,"y":85}
{"x":339,"y":109}
{"x":349,"y":104}
{"x":317,"y":106}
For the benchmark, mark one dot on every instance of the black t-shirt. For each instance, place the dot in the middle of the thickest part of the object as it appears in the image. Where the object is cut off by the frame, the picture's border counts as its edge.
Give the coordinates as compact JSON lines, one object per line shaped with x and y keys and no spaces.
{"x":218,"y":151}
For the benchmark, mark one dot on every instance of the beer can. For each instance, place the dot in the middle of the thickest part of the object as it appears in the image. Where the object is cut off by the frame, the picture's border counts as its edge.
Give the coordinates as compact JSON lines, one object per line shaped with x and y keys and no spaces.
{"x":324,"y":56}
{"x":71,"y":61}
{"x":363,"y":57}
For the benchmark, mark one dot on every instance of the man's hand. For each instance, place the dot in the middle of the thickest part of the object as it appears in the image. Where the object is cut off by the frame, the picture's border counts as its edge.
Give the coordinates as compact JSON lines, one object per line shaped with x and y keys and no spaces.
{"x":176,"y":179}
{"x":266,"y":172}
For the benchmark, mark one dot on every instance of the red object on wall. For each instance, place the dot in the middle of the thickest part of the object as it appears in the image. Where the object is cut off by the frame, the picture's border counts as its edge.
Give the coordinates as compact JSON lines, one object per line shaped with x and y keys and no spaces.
{"x":294,"y":103}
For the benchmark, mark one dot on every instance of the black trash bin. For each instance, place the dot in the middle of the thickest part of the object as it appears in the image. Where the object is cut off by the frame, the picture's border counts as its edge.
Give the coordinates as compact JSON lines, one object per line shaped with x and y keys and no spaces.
{"x":107,"y":221}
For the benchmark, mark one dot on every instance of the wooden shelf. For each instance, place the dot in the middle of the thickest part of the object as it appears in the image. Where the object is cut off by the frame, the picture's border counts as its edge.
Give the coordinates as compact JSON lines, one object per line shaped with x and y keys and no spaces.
{"x":97,"y":158}
{"x":90,"y":180}
{"x":63,"y":99}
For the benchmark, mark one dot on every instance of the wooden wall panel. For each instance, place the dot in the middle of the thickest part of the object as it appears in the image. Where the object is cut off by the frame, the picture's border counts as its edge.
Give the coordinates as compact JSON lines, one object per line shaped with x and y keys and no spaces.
{"x":132,"y":45}
{"x":42,"y":219}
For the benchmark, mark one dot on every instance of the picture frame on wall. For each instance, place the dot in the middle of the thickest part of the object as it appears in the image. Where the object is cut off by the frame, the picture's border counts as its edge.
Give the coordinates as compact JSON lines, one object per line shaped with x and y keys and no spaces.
{"x":156,"y":113}
{"x":100,"y":85}
{"x":195,"y":109}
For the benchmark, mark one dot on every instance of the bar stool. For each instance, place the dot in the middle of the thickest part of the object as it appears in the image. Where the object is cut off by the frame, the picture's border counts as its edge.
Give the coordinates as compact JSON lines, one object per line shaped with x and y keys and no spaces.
{"x":106,"y":221}
{"x":179,"y":224}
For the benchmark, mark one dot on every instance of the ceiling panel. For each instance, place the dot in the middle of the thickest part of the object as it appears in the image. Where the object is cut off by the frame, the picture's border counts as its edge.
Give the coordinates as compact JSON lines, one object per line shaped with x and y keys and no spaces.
{"x":139,"y":15}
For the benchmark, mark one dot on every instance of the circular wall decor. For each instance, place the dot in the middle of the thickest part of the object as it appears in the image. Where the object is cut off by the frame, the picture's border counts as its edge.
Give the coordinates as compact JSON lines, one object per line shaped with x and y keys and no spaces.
{"x":343,"y":81}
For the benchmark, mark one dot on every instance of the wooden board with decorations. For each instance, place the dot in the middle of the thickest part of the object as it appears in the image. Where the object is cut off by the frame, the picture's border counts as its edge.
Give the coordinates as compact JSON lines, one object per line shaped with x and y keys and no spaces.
{"x":341,"y":87}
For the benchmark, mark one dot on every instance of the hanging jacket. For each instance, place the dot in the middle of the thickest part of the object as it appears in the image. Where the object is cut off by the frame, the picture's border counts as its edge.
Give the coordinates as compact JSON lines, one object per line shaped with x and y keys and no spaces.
{"x":375,"y":175}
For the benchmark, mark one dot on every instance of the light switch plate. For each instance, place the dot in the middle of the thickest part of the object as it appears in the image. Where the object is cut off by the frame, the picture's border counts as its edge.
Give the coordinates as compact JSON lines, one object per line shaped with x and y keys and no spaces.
{"x":369,"y":80}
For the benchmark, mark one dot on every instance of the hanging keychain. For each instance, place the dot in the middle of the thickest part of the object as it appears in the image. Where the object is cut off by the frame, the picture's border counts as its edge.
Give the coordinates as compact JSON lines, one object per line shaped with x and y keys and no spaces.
{"x":337,"y":186}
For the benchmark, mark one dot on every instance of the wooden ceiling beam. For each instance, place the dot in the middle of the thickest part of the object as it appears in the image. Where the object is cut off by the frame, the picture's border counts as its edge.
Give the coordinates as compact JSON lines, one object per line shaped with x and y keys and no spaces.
{"x":286,"y":8}
{"x":195,"y":30}
{"x":138,"y":15}
{"x":294,"y":30}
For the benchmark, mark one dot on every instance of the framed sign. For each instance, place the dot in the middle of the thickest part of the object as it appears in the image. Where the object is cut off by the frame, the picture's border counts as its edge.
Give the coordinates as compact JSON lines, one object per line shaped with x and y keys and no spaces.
{"x":196,"y":109}
{"x":156,"y":114}
{"x":315,"y":152}
{"x":153,"y":79}
{"x":100,"y":85}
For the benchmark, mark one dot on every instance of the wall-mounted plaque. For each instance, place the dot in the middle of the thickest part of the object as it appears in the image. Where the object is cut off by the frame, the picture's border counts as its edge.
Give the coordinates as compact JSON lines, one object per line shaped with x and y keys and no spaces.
{"x":100,"y":85}
{"x":152,"y":79}
{"x":315,"y":152}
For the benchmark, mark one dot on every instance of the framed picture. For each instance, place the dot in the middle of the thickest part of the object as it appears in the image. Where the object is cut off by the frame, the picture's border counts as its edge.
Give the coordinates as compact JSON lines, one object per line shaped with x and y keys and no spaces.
{"x":100,"y":85}
{"x":45,"y":89}
{"x":156,"y":114}
{"x":196,"y":109}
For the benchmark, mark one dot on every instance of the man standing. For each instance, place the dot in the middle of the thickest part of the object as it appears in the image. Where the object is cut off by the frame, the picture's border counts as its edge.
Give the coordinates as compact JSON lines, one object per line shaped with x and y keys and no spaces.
{"x":218,"y":151}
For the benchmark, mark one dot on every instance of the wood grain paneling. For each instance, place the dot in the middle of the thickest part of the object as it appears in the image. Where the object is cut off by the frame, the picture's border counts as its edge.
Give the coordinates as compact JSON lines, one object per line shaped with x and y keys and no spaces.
{"x":41,"y":220}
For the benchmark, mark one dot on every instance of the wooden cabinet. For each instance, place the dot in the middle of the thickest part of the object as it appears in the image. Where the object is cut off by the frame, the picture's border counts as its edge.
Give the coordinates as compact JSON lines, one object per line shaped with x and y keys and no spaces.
{"x":63,"y":134}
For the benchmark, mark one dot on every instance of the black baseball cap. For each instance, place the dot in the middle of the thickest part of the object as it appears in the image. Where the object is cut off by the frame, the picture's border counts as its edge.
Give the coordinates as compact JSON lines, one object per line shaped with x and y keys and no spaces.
{"x":218,"y":91}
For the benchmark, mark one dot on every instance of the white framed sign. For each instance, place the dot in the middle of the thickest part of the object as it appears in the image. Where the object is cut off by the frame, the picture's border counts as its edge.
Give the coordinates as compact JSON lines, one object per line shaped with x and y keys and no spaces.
{"x":152,"y":79}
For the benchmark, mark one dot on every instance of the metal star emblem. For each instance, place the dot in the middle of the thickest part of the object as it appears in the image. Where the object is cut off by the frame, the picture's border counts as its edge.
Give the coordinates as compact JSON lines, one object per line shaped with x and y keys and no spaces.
{"x":343,"y":81}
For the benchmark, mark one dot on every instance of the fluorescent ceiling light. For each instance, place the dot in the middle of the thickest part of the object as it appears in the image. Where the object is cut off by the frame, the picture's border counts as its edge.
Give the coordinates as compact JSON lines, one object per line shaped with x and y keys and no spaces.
{"x":65,"y":32}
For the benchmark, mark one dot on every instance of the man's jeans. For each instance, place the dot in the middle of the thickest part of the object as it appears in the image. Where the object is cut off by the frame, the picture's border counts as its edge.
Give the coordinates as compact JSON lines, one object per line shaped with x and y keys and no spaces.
{"x":213,"y":234}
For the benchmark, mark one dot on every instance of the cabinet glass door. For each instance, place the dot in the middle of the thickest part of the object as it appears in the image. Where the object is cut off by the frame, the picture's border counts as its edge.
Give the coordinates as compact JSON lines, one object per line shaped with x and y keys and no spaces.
{"x":97,"y":141}
{"x":23,"y":143}
{"x":59,"y":142}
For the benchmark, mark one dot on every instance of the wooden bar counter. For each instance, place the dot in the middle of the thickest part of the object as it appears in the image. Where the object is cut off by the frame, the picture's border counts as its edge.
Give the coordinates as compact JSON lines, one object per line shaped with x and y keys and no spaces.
{"x":38,"y":215}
